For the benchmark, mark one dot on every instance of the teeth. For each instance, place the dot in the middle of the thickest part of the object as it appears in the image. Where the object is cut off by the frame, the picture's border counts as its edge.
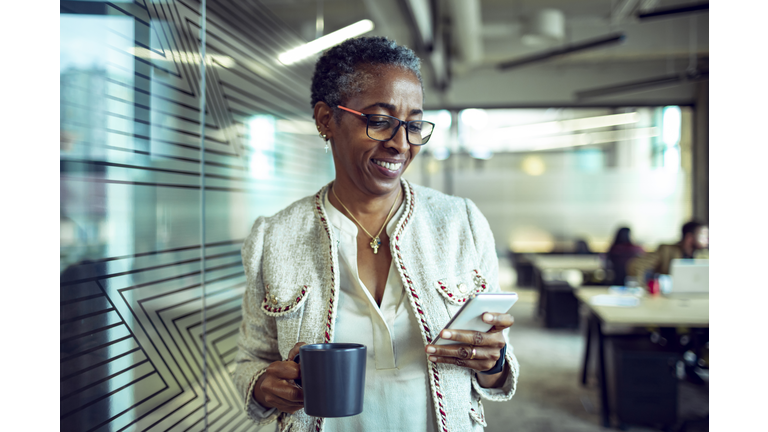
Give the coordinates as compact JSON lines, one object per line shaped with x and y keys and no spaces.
{"x":387,"y":165}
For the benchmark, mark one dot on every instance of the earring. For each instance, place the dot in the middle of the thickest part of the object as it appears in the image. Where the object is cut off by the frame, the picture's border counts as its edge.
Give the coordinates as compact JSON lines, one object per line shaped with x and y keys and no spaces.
{"x":325,"y":137}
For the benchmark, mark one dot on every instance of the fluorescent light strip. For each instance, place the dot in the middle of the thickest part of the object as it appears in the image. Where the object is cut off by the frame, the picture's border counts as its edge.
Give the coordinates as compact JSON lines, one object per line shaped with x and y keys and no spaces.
{"x":296,"y":127}
{"x":183,"y":57}
{"x":565,"y":126}
{"x":327,"y":41}
{"x":574,"y":140}
{"x":601,"y":138}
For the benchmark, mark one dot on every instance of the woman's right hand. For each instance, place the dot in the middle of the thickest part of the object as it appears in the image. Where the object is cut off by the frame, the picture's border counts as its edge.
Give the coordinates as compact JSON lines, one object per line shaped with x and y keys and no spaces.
{"x":275,"y":387}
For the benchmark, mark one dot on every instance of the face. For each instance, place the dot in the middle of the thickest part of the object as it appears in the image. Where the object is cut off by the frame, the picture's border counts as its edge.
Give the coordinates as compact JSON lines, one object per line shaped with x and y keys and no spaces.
{"x":702,"y":237}
{"x":358,"y":159}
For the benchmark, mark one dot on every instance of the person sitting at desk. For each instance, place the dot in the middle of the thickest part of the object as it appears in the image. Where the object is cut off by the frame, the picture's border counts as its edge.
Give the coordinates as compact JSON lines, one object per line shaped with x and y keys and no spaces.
{"x":693,"y":244}
{"x":622,"y":251}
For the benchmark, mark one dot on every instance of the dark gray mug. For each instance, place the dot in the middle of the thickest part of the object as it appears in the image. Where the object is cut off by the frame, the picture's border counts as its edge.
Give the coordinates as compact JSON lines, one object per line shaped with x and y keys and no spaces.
{"x":333,"y":378}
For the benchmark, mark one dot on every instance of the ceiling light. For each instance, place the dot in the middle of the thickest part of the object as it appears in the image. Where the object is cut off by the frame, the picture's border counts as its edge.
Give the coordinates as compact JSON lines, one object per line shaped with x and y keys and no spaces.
{"x":593,"y":138}
{"x":517,"y":144}
{"x":182,"y":57}
{"x":533,"y":165}
{"x":564,"y":126}
{"x":296,"y":127}
{"x":325,"y":42}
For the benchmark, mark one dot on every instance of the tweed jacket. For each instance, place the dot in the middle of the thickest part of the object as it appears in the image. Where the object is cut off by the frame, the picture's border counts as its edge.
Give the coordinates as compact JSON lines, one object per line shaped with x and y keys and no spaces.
{"x":443,"y":250}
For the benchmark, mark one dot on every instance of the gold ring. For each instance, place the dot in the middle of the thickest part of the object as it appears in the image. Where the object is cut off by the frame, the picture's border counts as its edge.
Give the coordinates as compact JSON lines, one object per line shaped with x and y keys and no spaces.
{"x":474,"y":352}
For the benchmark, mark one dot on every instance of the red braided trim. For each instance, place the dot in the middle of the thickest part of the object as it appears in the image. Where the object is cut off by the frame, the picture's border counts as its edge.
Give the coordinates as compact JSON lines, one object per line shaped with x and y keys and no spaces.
{"x":329,"y":323}
{"x":457,"y":297}
{"x":328,"y":335}
{"x":480,"y":282}
{"x":268,"y":307}
{"x":480,"y":416}
{"x":434,"y":373}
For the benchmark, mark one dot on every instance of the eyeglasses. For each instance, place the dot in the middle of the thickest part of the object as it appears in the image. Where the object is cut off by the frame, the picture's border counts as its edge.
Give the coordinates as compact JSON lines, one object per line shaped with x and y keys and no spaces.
{"x":383,"y":127}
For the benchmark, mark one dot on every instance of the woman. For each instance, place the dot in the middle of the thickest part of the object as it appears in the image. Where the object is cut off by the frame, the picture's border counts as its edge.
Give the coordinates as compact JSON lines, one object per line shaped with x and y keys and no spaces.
{"x":622,"y":250}
{"x":375,"y":260}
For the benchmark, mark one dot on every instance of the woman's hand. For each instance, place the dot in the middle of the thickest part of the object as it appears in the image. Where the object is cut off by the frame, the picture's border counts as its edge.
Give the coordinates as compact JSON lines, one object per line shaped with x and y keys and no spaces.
{"x":275,"y":387}
{"x":485,"y":346}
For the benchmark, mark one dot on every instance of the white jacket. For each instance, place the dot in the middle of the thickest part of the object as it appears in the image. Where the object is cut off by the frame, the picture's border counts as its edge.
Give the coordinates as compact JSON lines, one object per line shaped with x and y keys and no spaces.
{"x":291,"y":261}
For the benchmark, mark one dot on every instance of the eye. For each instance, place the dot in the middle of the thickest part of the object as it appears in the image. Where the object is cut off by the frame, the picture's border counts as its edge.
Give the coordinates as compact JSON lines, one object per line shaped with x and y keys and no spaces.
{"x":415,"y":127}
{"x":379,"y":122}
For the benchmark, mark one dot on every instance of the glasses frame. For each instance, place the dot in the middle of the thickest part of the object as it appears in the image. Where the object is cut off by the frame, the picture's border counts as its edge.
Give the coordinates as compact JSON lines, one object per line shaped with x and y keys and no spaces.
{"x":406,"y":123}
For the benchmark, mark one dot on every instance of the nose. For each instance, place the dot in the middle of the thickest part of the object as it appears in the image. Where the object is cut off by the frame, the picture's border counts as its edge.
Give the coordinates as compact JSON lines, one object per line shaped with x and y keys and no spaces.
{"x":399,"y":142}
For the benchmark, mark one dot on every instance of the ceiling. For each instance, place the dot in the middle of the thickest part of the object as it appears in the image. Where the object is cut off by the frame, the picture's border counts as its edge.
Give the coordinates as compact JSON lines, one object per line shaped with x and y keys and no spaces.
{"x":463,"y":45}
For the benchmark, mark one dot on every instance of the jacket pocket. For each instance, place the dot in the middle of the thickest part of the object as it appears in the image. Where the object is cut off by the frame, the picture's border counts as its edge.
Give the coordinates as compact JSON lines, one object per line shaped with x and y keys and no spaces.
{"x":279,"y":301}
{"x":457,"y":289}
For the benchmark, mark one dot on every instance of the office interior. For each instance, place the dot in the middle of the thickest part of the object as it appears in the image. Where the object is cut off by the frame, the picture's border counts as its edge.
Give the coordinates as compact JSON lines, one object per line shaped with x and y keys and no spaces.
{"x":562,"y":120}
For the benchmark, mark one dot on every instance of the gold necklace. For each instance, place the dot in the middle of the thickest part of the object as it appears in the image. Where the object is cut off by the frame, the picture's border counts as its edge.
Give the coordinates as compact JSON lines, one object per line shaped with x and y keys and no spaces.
{"x":375,"y":241}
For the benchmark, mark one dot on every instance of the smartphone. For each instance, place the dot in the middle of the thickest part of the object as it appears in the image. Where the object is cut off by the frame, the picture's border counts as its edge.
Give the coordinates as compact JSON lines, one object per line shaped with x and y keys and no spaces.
{"x":470,"y":316}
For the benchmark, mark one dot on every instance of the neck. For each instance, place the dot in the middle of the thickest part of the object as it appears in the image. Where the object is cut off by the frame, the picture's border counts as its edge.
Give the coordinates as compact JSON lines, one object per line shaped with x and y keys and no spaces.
{"x":687,"y":247}
{"x":370,"y":211}
{"x":360,"y":203}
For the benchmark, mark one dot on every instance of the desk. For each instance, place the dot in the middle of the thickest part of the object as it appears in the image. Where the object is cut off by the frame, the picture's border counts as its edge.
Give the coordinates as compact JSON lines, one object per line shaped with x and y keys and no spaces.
{"x":553,"y":277}
{"x":585,"y":263}
{"x":655,"y":311}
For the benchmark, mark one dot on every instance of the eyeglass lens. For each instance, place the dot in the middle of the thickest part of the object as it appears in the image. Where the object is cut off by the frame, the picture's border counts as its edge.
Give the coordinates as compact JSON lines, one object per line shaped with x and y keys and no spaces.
{"x":384,"y":128}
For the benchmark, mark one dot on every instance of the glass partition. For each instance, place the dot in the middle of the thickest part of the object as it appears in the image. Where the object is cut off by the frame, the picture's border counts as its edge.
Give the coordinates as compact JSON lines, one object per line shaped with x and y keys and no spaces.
{"x":139,"y":351}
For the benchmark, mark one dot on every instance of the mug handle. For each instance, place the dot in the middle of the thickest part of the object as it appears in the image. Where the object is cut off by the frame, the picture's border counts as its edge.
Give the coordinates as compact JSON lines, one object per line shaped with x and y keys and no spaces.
{"x":297,"y":359}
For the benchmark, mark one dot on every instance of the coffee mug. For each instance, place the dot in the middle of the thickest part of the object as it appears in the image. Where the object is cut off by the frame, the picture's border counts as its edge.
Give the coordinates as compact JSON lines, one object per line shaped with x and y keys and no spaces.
{"x":333,"y":378}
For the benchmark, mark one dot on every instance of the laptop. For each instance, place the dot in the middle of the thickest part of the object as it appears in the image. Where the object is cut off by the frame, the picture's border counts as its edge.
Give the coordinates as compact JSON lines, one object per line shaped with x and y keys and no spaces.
{"x":688,"y":276}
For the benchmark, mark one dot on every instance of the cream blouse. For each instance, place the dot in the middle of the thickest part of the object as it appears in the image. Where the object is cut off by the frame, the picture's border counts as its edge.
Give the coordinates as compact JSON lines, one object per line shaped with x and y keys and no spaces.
{"x":396,"y":384}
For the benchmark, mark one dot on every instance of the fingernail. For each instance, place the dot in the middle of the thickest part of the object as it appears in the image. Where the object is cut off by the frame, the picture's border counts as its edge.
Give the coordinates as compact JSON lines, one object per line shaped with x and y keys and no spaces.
{"x":446,"y":334}
{"x":432,"y":358}
{"x":488,"y":318}
{"x":431,"y":350}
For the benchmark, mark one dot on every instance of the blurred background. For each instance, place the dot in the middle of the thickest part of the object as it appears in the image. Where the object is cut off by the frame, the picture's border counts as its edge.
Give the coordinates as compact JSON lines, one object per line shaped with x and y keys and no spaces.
{"x":563,"y":120}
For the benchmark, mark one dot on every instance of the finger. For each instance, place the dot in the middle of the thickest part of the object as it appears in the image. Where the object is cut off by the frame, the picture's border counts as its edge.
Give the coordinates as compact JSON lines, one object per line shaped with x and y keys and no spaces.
{"x":500,"y":321}
{"x":478,"y":365}
{"x":288,"y":391}
{"x":286,"y":370}
{"x":475,"y":338}
{"x":464,"y":352}
{"x":295,"y":350}
{"x":283,"y":404}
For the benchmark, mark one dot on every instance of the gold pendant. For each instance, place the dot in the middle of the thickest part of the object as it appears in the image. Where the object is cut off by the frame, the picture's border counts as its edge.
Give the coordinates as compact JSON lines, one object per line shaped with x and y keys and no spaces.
{"x":375,"y":243}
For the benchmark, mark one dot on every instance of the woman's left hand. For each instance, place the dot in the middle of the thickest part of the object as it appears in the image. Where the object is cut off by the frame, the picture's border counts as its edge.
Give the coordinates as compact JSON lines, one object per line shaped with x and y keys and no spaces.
{"x":475,"y":350}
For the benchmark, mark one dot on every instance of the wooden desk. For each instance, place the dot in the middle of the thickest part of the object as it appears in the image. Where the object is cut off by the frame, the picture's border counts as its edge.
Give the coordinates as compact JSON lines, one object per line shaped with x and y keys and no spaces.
{"x":567,"y":262}
{"x":658,"y":311}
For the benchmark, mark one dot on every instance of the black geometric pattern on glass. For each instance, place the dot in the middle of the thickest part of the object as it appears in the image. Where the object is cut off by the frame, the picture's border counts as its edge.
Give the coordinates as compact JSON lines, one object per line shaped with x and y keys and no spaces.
{"x":131,"y":301}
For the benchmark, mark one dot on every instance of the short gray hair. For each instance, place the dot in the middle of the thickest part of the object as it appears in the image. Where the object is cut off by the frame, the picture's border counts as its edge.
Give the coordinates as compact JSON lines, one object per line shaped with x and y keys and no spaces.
{"x":338,"y":71}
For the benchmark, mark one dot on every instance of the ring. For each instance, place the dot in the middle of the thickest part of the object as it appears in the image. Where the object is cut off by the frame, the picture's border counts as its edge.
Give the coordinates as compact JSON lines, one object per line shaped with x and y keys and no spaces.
{"x":474,"y":352}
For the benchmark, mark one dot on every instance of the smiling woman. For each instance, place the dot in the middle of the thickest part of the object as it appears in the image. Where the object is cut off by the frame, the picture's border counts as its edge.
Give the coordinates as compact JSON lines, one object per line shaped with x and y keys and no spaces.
{"x":374,"y":260}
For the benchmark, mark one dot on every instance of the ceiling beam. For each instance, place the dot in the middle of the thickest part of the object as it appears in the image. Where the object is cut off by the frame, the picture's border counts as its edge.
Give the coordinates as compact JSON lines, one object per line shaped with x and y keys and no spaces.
{"x":646,"y":84}
{"x":674,"y":10}
{"x":564,"y":50}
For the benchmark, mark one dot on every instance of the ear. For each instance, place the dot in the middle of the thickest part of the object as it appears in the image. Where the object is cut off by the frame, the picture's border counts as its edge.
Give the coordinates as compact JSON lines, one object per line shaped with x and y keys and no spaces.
{"x":323,"y":118}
